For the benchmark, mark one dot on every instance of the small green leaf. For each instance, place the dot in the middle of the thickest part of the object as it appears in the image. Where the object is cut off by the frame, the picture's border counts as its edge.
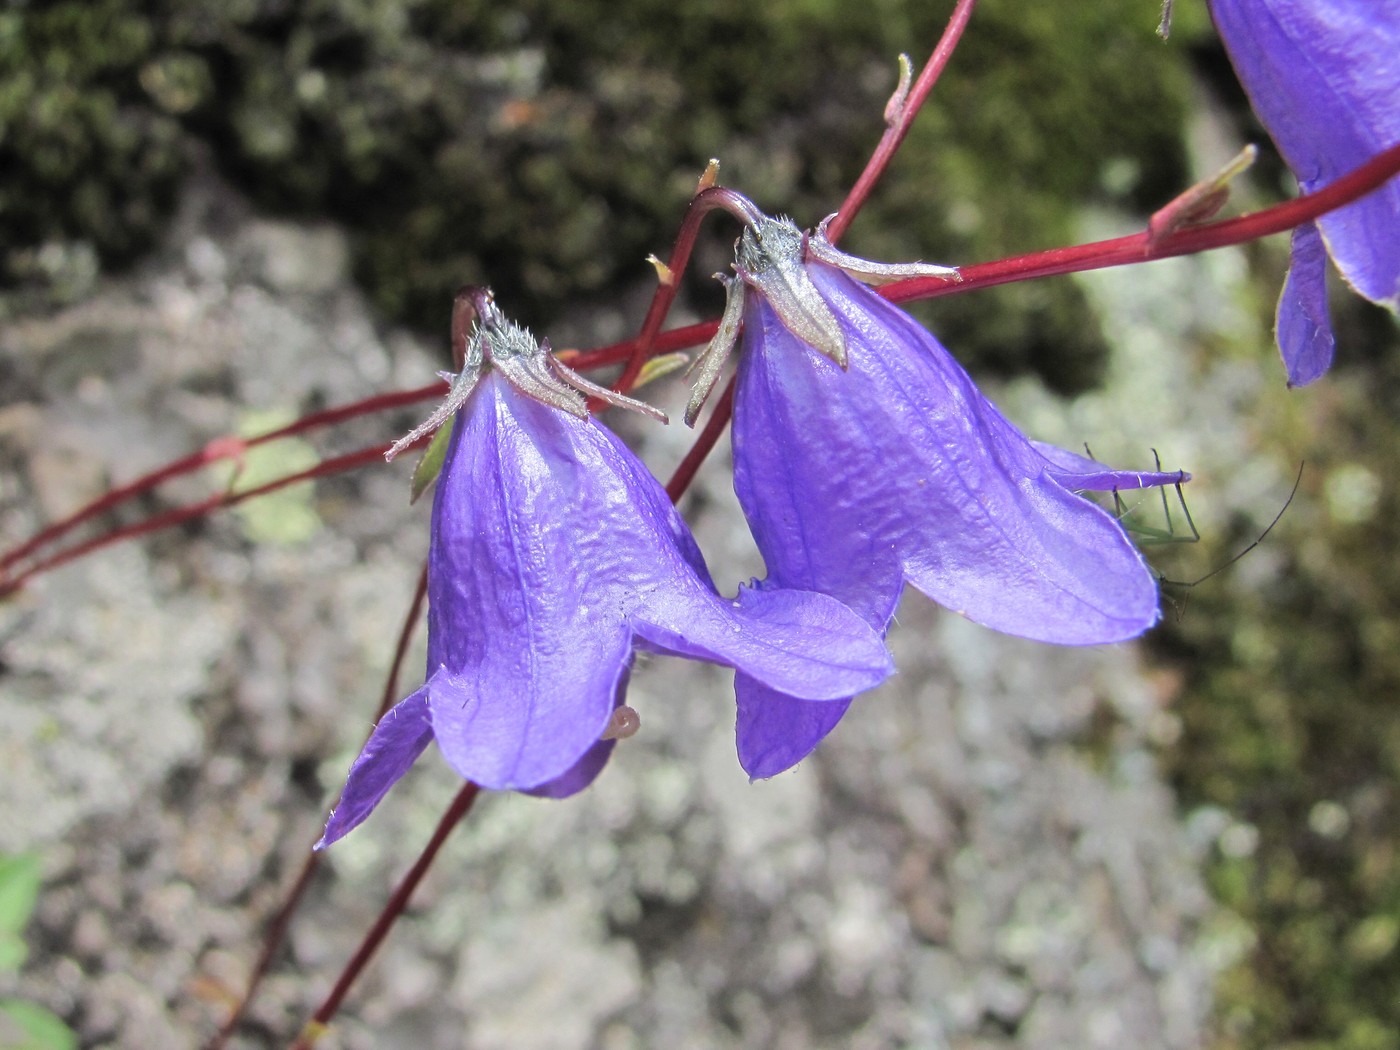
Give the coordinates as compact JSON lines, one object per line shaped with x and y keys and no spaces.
{"x":428,"y":468}
{"x":661,"y":365}
{"x":29,"y":1026}
{"x":285,"y":517}
{"x":13,"y":952}
{"x":20,"y":877}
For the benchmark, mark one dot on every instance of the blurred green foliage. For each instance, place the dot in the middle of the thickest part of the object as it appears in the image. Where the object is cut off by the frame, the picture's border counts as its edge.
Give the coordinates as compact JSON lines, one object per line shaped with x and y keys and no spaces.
{"x":24,"y":1025}
{"x":90,"y":164}
{"x":1290,"y":720}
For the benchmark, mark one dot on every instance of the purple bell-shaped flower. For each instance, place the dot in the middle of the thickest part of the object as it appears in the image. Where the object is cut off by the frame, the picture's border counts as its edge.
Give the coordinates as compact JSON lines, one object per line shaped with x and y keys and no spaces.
{"x":865,"y":457}
{"x":554,"y":556}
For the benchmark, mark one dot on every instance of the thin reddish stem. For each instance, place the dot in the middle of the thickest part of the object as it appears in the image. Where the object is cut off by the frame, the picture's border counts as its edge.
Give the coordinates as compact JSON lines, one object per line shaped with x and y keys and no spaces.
{"x":701,"y":205}
{"x":398,"y":901}
{"x":115,"y":496}
{"x":899,"y":127}
{"x":188,"y":512}
{"x":225,"y":448}
{"x":1141,"y":247}
{"x":1135,"y":248}
{"x":215,"y":451}
{"x":364,"y":407}
{"x":704,"y":444}
{"x":665,"y":342}
{"x":661,"y":302}
{"x":282,"y":921}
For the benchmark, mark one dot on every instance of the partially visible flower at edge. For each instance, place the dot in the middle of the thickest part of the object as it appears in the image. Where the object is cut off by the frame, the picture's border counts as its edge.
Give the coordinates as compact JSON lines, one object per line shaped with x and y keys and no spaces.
{"x":554,"y":555}
{"x":896,"y":468}
{"x":1324,"y":78}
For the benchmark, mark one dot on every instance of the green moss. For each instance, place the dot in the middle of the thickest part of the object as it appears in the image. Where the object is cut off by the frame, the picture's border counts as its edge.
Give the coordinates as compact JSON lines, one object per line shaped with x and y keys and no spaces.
{"x":547,"y":148}
{"x":89,"y":161}
{"x":1290,"y":721}
{"x":286,"y":517}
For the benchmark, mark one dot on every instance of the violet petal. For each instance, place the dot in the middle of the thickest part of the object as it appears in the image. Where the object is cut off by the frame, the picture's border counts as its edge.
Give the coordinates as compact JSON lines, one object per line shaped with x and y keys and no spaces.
{"x":395,"y":744}
{"x":538,"y":551}
{"x":808,"y":645}
{"x":1303,"y":323}
{"x":902,"y":459}
{"x":1324,"y":77}
{"x":775,"y":732}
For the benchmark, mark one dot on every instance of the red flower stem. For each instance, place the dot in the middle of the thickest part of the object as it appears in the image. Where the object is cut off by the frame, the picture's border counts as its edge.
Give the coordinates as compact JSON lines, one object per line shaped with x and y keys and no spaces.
{"x":701,"y":205}
{"x":232,"y":447}
{"x":673,"y":339}
{"x":903,"y":120}
{"x":1142,"y":247}
{"x":364,"y":407}
{"x":282,"y":921}
{"x":190,"y":511}
{"x":704,"y":444}
{"x":398,"y":901}
{"x":1120,"y":251}
{"x":213,"y":452}
{"x":110,"y":499}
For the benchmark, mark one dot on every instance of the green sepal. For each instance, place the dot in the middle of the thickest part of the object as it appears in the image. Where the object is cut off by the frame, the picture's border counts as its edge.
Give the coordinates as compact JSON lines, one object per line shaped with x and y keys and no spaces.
{"x":661,"y":365}
{"x":428,"y":468}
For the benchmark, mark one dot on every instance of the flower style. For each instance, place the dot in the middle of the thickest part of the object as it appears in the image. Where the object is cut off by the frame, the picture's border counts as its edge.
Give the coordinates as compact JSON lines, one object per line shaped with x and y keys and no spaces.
{"x":1324,"y":77}
{"x":554,"y":555}
{"x":896,"y":469}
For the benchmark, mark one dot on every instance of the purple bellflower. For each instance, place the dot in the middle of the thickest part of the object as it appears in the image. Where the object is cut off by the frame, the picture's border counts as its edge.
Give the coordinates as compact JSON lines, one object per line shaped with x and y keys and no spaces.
{"x":554,"y":555}
{"x":865,"y":457}
{"x":1324,"y":77}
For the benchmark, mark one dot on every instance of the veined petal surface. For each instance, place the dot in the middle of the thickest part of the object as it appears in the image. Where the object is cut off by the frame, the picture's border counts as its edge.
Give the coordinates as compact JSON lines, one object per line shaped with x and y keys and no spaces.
{"x":397,"y":741}
{"x":538,"y":553}
{"x":901,"y":469}
{"x":553,"y":554}
{"x":1304,"y":323}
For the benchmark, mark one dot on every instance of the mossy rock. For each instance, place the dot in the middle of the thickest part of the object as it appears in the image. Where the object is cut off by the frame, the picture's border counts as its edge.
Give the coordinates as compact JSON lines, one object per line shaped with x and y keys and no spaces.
{"x":546,"y":149}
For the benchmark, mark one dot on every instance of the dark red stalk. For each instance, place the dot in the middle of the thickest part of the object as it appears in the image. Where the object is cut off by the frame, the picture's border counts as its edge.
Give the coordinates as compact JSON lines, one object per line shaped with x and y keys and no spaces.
{"x":704,"y":202}
{"x":217,"y":450}
{"x":902,"y":120}
{"x":1142,"y":247}
{"x":397,"y":902}
{"x":704,"y":444}
{"x":665,"y":342}
{"x":281,"y":922}
{"x":225,"y":448}
{"x":190,"y":511}
{"x":209,"y":454}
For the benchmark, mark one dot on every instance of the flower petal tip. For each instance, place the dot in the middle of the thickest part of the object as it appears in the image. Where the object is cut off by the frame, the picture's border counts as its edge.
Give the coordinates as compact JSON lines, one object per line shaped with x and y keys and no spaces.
{"x":1303,"y":323}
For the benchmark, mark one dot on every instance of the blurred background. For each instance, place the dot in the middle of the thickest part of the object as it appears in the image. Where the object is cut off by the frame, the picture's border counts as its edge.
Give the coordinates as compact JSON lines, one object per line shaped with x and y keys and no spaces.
{"x":215,"y":217}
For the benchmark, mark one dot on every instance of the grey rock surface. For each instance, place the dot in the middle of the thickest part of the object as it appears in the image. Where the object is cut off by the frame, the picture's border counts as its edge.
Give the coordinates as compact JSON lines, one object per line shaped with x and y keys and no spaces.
{"x":983,"y":855}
